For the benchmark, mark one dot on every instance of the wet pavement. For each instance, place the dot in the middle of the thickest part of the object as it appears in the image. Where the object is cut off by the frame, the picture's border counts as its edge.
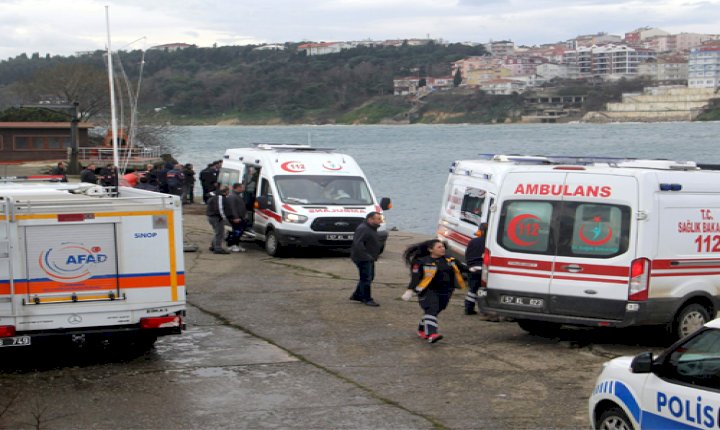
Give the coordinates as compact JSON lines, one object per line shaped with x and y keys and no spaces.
{"x":275,"y":343}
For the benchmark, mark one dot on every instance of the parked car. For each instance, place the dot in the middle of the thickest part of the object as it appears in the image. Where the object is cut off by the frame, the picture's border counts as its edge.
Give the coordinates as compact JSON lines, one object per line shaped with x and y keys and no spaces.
{"x":678,"y":389}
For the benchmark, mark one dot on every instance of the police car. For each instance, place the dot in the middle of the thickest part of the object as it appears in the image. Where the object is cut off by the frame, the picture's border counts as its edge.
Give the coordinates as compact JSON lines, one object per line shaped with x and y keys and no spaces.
{"x":679,"y":389}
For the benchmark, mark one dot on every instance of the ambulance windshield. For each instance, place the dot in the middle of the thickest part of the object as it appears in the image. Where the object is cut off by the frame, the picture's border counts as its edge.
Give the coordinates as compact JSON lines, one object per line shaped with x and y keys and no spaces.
{"x":323,"y":190}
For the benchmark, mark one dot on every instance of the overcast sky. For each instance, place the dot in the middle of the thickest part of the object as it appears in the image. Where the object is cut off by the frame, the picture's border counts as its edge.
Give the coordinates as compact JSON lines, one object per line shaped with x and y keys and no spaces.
{"x":65,"y":27}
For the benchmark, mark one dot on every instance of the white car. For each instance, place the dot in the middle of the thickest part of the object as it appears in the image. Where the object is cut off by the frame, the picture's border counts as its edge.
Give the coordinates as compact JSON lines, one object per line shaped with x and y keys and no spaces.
{"x":679,"y":389}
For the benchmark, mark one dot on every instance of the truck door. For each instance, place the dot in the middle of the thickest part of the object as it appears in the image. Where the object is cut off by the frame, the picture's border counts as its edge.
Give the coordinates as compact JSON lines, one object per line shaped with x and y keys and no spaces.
{"x":522,"y":243}
{"x":71,"y":263}
{"x":594,"y":250}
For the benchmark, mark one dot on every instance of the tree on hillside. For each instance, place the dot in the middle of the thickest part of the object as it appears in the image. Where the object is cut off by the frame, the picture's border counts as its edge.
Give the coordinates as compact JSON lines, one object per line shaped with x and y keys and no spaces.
{"x":73,"y":82}
{"x":457,"y":79}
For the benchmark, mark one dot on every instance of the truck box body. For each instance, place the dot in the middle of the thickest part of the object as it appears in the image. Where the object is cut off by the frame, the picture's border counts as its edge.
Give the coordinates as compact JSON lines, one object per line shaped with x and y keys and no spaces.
{"x":74,"y":261}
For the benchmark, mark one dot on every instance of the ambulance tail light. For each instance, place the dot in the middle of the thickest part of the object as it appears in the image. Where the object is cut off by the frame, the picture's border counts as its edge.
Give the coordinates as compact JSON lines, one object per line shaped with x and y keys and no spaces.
{"x":485,"y":266}
{"x":639,"y":280}
{"x":7,"y":330}
{"x":161,"y":322}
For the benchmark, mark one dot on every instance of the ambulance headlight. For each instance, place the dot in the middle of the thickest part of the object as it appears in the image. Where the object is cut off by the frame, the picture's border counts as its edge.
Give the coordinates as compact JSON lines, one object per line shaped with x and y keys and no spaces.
{"x":293,"y":217}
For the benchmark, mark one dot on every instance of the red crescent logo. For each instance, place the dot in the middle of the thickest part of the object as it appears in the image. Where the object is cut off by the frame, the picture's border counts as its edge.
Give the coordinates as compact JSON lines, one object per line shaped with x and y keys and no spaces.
{"x":293,"y":166}
{"x":600,"y":242}
{"x":512,"y":229}
{"x":329,"y":165}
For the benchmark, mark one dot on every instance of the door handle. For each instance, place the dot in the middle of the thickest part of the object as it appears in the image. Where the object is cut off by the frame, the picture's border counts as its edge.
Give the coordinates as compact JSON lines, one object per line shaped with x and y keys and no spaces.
{"x":572,"y":268}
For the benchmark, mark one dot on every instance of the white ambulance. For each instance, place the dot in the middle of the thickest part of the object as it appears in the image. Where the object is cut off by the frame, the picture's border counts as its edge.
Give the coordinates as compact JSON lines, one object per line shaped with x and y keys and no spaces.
{"x":470,"y":191}
{"x":80,"y":266}
{"x":679,"y":389}
{"x":603,"y":242}
{"x":305,"y":196}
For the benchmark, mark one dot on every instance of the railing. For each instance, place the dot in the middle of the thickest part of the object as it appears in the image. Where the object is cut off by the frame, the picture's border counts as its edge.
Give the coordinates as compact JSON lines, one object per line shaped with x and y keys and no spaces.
{"x":106,"y":154}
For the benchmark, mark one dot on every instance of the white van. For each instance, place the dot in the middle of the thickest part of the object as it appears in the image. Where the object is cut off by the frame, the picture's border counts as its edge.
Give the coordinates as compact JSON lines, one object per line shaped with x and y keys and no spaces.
{"x":601,"y":242}
{"x":305,"y":196}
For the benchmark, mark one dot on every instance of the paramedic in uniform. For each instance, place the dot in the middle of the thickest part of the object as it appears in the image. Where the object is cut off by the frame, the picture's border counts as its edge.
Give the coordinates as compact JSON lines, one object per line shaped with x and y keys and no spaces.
{"x":433,"y":278}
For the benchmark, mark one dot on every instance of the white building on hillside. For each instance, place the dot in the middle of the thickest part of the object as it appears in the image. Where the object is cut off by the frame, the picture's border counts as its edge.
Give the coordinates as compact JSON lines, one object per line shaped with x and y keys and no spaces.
{"x":704,"y":66}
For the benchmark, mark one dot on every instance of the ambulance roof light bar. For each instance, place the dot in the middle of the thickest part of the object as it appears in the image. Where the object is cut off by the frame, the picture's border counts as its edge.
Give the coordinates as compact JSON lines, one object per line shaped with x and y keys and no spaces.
{"x":290,"y":147}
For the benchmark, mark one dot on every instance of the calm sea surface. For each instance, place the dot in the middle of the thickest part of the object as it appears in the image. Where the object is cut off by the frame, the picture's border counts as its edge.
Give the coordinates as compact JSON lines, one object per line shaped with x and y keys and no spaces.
{"x":410,"y":163}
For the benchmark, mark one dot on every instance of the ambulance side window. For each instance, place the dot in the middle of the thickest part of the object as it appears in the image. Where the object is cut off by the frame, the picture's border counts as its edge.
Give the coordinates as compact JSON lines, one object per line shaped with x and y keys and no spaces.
{"x":696,"y":362}
{"x":594,"y":230}
{"x":525,"y":227}
{"x":472,"y":206}
{"x":228,"y":176}
{"x":266,"y":191}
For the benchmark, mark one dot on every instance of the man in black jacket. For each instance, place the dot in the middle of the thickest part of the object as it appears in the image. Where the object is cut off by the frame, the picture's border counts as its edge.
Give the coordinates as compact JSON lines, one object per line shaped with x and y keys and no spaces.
{"x":88,"y":175}
{"x":216,"y":212}
{"x":366,"y":248}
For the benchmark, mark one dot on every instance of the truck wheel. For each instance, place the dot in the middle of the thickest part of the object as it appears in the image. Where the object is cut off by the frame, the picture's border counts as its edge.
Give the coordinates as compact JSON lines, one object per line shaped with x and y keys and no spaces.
{"x":144,"y":342}
{"x":690,"y":318}
{"x":272,"y":245}
{"x":539,"y":328}
{"x":614,"y":419}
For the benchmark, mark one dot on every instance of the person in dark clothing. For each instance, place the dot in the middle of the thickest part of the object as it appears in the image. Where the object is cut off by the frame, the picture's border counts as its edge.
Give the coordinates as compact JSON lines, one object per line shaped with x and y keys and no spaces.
{"x":162,"y":178}
{"x":88,"y":175}
{"x":237,"y":212}
{"x":188,"y":191}
{"x":59,"y":170}
{"x":209,"y":177}
{"x":365,"y":249}
{"x":217,"y":217}
{"x":108,"y":176}
{"x":433,"y":277}
{"x":144,"y":184}
{"x":474,"y":260}
{"x":175,"y":180}
{"x":151,"y":174}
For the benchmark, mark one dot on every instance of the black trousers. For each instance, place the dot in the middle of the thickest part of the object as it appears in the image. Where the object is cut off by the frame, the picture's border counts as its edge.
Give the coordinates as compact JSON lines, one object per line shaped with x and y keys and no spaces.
{"x":432,"y":303}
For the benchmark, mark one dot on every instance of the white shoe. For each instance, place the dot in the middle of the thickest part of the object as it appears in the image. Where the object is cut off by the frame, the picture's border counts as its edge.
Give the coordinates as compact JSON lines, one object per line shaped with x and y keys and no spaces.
{"x":235,"y":248}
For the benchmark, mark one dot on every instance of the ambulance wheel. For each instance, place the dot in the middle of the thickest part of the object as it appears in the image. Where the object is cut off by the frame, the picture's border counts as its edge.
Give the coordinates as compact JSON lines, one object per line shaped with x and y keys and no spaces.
{"x":614,"y":419}
{"x":690,"y":318}
{"x":272,"y":244}
{"x":144,"y":342}
{"x":539,"y":328}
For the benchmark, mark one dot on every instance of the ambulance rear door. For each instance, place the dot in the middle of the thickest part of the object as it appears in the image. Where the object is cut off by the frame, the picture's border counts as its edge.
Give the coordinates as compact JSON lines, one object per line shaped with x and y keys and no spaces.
{"x":465,"y":208}
{"x":523,"y":242}
{"x":69,"y":263}
{"x":594,"y":246}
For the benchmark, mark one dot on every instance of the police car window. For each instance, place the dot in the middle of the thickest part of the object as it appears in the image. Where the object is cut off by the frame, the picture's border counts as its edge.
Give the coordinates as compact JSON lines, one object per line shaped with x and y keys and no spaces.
{"x":593,"y":230}
{"x":525,"y":226}
{"x":696,"y":362}
{"x":472,"y":204}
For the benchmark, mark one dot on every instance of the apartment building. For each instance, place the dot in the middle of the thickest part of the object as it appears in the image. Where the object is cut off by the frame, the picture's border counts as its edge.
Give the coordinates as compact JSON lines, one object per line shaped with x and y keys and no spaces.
{"x":704,"y":66}
{"x":666,"y":68}
{"x":607,"y":61}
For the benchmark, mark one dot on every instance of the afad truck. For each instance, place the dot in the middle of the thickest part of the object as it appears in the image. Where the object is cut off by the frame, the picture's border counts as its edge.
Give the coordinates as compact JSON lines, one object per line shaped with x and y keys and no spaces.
{"x":79,"y":266}
{"x":304,"y":197}
{"x":595,"y":242}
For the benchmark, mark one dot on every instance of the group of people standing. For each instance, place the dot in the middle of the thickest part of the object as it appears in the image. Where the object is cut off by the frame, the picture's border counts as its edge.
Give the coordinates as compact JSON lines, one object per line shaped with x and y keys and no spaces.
{"x":433,"y":275}
{"x":228,"y":206}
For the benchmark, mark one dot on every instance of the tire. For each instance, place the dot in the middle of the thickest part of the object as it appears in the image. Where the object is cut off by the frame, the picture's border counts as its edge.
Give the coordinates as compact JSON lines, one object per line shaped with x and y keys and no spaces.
{"x":540,"y":328}
{"x":272,"y":244}
{"x":614,"y":419}
{"x":689,"y":319}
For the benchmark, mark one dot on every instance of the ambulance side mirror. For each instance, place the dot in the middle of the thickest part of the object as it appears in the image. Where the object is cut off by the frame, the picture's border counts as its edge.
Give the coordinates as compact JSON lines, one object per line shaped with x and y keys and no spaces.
{"x":385,"y":203}
{"x":262,"y":202}
{"x":642,"y":363}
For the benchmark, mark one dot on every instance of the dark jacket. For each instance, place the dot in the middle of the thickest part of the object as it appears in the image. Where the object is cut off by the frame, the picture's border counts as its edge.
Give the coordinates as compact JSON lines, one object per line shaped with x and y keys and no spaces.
{"x":88,"y":176}
{"x":438,"y":274}
{"x":59,"y":171}
{"x":189,"y":176}
{"x":212,"y":209}
{"x":474,"y":251}
{"x":366,"y":244}
{"x":235,"y":206}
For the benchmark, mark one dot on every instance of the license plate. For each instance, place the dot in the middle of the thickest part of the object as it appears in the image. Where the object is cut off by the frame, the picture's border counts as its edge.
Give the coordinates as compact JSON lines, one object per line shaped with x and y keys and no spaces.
{"x":522,"y":301}
{"x":339,"y":237}
{"x":15,"y":341}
